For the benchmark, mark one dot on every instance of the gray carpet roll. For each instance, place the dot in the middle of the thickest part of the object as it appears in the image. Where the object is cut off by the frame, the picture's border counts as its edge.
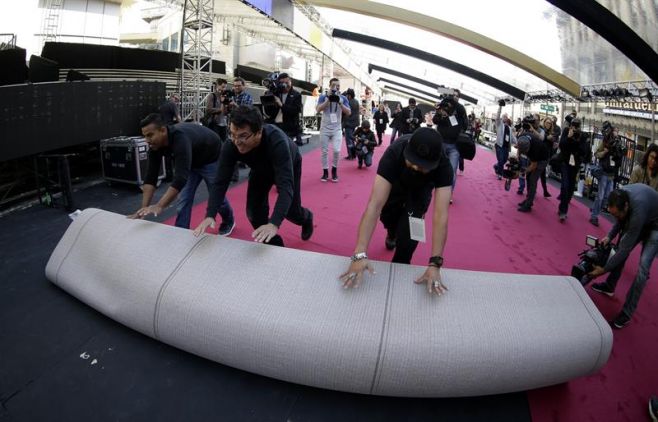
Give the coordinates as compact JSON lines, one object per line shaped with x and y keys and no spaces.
{"x":282,"y":313}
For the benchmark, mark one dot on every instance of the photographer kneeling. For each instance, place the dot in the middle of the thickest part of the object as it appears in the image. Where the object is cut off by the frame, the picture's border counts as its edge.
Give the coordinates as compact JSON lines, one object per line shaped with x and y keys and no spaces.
{"x":635,"y":208}
{"x":365,"y":144}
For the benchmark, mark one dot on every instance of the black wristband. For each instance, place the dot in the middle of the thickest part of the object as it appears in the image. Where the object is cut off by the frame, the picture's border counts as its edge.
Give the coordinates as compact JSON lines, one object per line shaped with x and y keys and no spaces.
{"x":436,"y":261}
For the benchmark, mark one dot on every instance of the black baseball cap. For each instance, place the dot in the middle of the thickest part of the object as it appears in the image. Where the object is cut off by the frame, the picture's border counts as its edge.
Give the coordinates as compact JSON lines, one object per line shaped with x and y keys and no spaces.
{"x":424,"y":148}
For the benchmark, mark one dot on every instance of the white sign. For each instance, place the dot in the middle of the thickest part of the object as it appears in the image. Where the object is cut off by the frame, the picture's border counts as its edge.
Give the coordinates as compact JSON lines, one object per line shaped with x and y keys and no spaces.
{"x":627,"y":113}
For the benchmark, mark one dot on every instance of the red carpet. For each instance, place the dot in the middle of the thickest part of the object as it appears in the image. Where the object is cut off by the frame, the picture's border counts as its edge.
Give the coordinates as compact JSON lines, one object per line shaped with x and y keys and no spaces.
{"x":486,"y":233}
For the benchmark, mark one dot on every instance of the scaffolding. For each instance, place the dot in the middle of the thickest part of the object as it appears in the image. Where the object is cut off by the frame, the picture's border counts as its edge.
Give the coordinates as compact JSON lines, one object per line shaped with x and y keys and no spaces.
{"x":50,"y":24}
{"x":196,"y":57}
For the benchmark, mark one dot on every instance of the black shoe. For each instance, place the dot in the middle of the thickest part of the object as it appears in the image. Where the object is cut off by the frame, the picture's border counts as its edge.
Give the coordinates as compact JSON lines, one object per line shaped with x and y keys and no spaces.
{"x":390,"y":243}
{"x":653,"y":408}
{"x":519,"y":192}
{"x":226,"y":228}
{"x":621,"y":320}
{"x":522,"y":203}
{"x":524,"y":208}
{"x":547,"y":194}
{"x":594,"y":221}
{"x":325,"y":176}
{"x":603,"y":288}
{"x":563,"y":217}
{"x":334,"y":174}
{"x":307,"y":227}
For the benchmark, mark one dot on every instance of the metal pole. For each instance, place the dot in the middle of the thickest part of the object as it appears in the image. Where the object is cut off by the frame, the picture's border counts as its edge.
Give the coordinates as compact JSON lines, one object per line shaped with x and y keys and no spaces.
{"x":653,"y":122}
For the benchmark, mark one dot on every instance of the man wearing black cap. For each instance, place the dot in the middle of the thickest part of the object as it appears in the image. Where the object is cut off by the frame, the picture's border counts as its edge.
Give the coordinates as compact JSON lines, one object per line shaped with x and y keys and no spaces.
{"x":411,"y":169}
{"x":532,"y":146}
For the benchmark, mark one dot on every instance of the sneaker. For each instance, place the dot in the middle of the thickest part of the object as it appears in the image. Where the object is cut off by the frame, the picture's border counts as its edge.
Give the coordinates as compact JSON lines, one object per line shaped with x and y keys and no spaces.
{"x":603,"y":288}
{"x":225,"y":229}
{"x":594,"y":221}
{"x":522,"y":203}
{"x":653,"y":408}
{"x":563,"y":217}
{"x":547,"y":194}
{"x":390,"y":242}
{"x":307,"y":227}
{"x":621,"y":320}
{"x":500,"y":177}
{"x":334,"y":179}
{"x":524,"y":208}
{"x":325,"y":176}
{"x":334,"y":174}
{"x":519,"y":192}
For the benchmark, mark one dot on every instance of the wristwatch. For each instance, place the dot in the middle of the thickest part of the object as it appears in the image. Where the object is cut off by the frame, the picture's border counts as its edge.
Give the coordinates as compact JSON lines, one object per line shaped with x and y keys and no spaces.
{"x":359,"y":256}
{"x":436,"y":261}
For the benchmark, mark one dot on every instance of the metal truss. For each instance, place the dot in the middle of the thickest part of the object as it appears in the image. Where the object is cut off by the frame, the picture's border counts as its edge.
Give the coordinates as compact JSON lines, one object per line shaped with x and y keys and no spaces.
{"x":621,"y":91}
{"x":196,"y":54}
{"x":50,"y":22}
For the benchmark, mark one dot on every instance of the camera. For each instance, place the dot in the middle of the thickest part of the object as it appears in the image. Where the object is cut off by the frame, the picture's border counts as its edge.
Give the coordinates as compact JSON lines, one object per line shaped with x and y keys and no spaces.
{"x":228,"y":95}
{"x":575,"y":124}
{"x":273,"y":86}
{"x":333,"y":95}
{"x":596,"y":255}
{"x":511,"y":171}
{"x":528,"y":121}
{"x":501,"y":103}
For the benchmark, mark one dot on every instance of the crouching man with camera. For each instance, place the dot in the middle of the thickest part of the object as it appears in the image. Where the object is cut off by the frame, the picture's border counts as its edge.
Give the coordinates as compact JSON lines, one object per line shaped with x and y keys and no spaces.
{"x":365,"y":144}
{"x":635,"y":208}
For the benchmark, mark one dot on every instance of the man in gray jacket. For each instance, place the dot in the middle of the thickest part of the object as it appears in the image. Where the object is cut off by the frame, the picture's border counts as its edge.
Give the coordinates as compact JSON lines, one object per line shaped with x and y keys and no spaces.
{"x":635,"y":207}
{"x":505,"y":137}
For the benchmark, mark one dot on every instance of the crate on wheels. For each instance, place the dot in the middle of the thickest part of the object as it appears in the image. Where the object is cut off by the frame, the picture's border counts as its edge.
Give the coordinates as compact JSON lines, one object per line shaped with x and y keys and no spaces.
{"x":125,"y":159}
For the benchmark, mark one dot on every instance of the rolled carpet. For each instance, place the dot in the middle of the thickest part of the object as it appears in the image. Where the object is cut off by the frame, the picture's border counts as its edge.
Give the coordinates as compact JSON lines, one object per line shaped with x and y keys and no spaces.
{"x":282,"y":313}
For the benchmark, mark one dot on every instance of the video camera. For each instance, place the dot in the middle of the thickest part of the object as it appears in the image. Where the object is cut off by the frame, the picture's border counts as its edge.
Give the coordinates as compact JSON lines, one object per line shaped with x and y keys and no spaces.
{"x":228,"y":95}
{"x":575,"y":124}
{"x":528,"y":121}
{"x":273,"y":87}
{"x":511,"y":171}
{"x":596,"y":255}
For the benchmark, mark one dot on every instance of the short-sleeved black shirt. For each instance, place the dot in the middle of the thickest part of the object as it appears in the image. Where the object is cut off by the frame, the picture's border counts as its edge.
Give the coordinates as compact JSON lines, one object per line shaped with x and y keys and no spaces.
{"x":409,"y":185}
{"x":538,"y":150}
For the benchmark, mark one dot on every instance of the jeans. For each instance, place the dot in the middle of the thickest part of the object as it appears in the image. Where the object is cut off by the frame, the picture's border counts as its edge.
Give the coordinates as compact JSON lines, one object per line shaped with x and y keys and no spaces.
{"x":502,"y":155}
{"x":533,"y":178}
{"x":335,"y":139}
{"x":605,"y":187}
{"x":567,"y":186}
{"x":258,"y":205}
{"x":207,"y":173}
{"x":523,"y":162}
{"x":453,"y":155}
{"x":367,"y":159}
{"x":649,"y":251}
{"x":394,"y":133}
{"x":349,"y":141}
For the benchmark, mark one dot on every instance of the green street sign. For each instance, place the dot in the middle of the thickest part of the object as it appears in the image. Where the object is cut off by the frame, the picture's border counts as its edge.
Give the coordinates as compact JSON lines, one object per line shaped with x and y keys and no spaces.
{"x":547,"y":107}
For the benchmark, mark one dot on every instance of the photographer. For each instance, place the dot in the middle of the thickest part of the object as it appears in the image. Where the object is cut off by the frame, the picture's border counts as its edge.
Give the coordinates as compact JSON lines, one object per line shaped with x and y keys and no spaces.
{"x":411,"y":118}
{"x":647,"y":171}
{"x":286,"y":107}
{"x":396,"y":122}
{"x":217,"y":108}
{"x":635,"y":207}
{"x":505,"y":137}
{"x":241,"y":96}
{"x":365,"y":144}
{"x":351,"y":122}
{"x":609,"y":154}
{"x":381,"y":121}
{"x":574,"y":149}
{"x":531,"y":144}
{"x":411,"y":169}
{"x":448,"y":125}
{"x":333,"y":106}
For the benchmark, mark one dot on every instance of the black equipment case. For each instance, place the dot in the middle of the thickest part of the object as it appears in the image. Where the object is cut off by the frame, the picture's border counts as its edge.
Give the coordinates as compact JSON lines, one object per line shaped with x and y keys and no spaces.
{"x":125,"y":159}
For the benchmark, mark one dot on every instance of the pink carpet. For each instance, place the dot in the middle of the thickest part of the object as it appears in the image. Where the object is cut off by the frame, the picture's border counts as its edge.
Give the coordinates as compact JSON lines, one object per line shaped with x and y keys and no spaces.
{"x":486,"y":233}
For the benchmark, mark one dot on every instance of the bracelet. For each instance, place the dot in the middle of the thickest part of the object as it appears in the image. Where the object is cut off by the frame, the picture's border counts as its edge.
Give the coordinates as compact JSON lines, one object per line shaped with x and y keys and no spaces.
{"x":359,"y":256}
{"x":436,"y":261}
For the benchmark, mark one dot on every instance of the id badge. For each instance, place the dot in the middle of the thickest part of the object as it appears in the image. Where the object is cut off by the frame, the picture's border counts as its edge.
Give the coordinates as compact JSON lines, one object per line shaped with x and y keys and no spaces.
{"x":453,"y":121}
{"x":612,"y":162}
{"x":381,"y":121}
{"x":417,"y":229}
{"x":333,"y":118}
{"x":572,"y":161}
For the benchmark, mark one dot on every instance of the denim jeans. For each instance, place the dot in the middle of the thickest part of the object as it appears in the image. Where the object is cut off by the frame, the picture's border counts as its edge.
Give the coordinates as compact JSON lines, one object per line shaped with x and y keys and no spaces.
{"x":502,"y":155}
{"x":349,"y":141}
{"x":605,"y":187}
{"x":453,"y":155}
{"x":533,"y":178}
{"x":367,"y":159}
{"x":523,"y":162}
{"x":567,"y":186}
{"x":207,"y":173}
{"x":649,"y":251}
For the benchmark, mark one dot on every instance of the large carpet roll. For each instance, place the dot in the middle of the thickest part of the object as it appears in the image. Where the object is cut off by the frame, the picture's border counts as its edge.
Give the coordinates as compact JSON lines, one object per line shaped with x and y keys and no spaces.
{"x":282,"y":313}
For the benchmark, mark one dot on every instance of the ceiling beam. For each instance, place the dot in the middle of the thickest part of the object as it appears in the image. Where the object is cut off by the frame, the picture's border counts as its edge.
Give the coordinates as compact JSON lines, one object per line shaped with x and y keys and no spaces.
{"x":411,"y":94}
{"x":457,"y":33}
{"x":431,"y":58}
{"x":420,"y":91}
{"x":383,"y":69}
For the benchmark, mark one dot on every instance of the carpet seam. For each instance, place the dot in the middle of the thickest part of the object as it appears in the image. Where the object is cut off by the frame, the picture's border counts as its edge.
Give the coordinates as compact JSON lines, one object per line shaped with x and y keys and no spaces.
{"x":377,"y":374}
{"x":166,"y":283}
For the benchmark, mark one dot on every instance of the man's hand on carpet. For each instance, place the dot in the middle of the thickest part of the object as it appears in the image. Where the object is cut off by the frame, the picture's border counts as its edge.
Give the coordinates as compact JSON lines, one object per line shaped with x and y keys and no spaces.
{"x":265,"y":233}
{"x":143,"y":212}
{"x":203,"y":226}
{"x":432,"y":278}
{"x":354,"y":275}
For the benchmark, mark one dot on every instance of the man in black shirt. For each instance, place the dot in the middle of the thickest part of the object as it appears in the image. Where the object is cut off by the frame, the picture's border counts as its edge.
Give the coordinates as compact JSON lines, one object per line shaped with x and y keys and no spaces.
{"x":274,"y":160}
{"x":533,"y":147}
{"x":194,"y":149}
{"x":411,"y":169}
{"x":169,"y":110}
{"x":381,"y":121}
{"x":573,"y":151}
{"x":285,"y":110}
